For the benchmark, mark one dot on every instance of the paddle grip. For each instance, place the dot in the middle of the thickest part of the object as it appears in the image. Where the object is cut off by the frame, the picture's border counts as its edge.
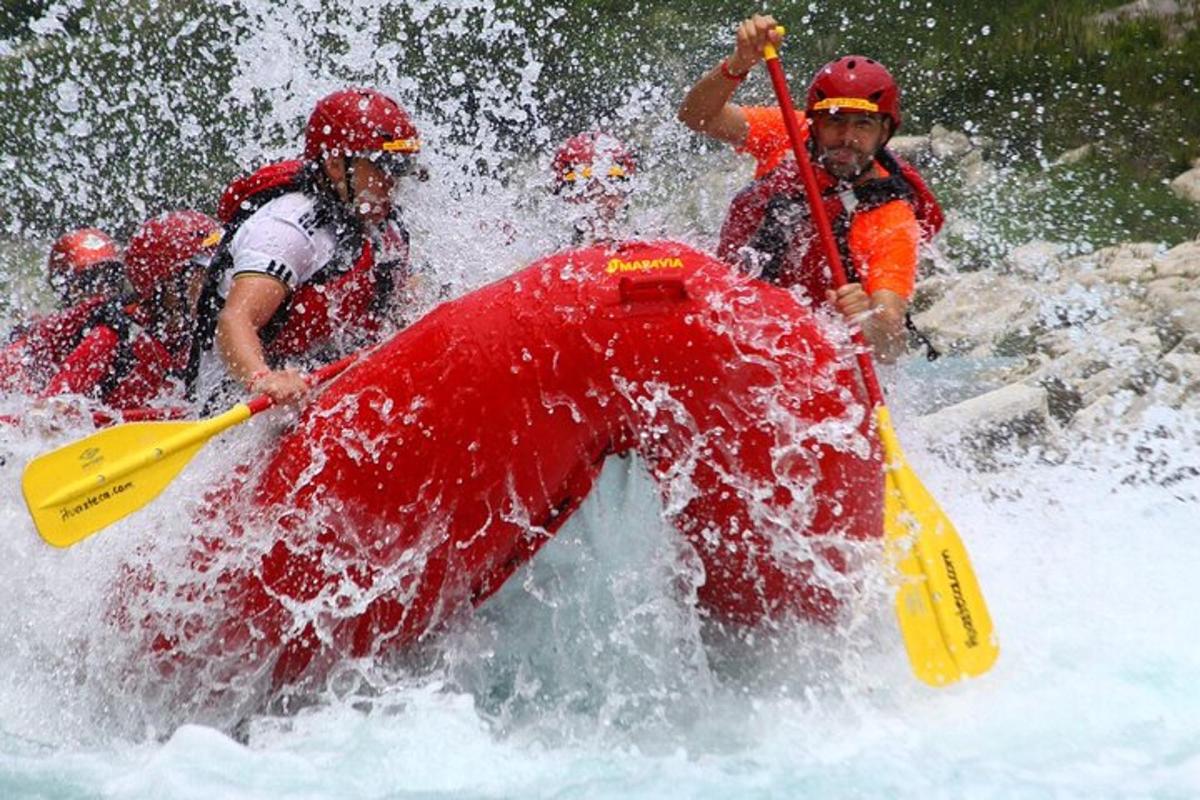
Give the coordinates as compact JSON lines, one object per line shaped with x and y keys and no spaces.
{"x":262,"y":402}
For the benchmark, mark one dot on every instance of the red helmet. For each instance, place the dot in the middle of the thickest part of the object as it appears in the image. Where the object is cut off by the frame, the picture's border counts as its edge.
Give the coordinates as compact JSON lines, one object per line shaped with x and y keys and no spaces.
{"x":82,"y":255}
{"x":164,"y":246}
{"x":590,"y":153}
{"x":855,"y":83}
{"x":359,"y":121}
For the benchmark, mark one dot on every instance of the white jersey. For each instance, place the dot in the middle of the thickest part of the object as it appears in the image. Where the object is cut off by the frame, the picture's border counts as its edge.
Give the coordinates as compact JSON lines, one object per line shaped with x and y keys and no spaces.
{"x":283,"y":240}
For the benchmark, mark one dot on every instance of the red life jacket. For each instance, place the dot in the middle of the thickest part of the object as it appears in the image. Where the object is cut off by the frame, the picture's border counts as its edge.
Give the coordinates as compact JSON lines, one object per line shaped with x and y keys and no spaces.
{"x":36,"y":350}
{"x":340,"y":293}
{"x":112,"y":359}
{"x":248,"y":193}
{"x":771,"y":218}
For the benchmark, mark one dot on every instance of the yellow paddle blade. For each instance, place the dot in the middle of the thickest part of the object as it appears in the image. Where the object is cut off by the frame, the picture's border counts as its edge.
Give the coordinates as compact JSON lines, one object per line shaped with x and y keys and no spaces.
{"x":76,"y":490}
{"x":943,"y":617}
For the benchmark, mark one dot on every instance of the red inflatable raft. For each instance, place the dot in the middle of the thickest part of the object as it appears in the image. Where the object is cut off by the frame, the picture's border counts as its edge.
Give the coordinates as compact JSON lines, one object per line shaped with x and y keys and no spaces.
{"x":420,"y":479}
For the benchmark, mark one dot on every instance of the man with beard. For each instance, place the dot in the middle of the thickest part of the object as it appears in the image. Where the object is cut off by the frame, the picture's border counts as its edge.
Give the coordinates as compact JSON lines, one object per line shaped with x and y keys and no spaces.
{"x":878,"y":206}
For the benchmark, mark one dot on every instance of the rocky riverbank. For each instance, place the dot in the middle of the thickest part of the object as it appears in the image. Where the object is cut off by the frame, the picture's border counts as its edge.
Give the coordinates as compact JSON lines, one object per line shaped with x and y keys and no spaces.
{"x":1095,"y":341}
{"x":1093,"y":347}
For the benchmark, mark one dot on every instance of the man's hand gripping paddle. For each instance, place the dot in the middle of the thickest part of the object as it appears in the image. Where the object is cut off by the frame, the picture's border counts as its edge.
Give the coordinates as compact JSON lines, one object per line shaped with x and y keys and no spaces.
{"x":76,"y":490}
{"x":943,"y":617}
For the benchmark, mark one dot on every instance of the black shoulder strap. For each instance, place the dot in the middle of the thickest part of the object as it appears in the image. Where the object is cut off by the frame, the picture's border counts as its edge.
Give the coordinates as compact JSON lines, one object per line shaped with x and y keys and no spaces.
{"x":111,"y":314}
{"x":878,"y":191}
{"x":210,"y":304}
{"x":207,"y":310}
{"x":784,"y":212}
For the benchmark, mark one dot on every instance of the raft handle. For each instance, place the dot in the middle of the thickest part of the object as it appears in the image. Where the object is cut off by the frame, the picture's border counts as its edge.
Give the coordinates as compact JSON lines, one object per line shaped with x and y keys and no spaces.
{"x":652,"y":290}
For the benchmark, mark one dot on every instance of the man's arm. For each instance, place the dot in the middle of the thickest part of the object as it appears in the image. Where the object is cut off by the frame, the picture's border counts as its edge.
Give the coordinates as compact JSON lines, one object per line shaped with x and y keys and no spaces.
{"x":884,"y":242}
{"x":252,"y":301}
{"x":706,"y":108}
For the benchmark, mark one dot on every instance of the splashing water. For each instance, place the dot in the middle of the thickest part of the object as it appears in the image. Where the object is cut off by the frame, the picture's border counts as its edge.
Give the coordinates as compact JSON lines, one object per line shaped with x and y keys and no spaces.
{"x":591,"y":673}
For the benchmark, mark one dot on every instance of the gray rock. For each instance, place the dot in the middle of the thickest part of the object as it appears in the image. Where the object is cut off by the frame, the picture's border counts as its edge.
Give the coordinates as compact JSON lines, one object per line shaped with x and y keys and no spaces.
{"x":1141,"y":9}
{"x":1105,"y":418}
{"x":1187,"y":185}
{"x":1010,"y":418}
{"x":911,"y":148}
{"x":979,"y":308}
{"x":1119,"y":264}
{"x":946,"y":143}
{"x":976,"y":171}
{"x":1177,"y":303}
{"x":1074,"y":156}
{"x":1035,"y":259}
{"x":1181,"y":261}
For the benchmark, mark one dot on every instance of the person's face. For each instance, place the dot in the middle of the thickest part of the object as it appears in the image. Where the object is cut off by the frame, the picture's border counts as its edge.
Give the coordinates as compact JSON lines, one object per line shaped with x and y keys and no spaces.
{"x":177,"y":302}
{"x":848,"y":140}
{"x":605,"y":194}
{"x":371,"y":187}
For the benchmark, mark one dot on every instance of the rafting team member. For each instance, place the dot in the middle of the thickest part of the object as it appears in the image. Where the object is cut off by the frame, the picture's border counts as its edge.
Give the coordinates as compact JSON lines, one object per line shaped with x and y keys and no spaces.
{"x":85,"y":263}
{"x":127,"y":351}
{"x":313,"y":251}
{"x":879,"y":207}
{"x":84,"y":269}
{"x":593,"y":173}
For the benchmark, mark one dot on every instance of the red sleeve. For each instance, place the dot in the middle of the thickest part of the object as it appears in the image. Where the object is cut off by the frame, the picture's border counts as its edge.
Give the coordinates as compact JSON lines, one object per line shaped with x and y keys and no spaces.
{"x":87,"y":365}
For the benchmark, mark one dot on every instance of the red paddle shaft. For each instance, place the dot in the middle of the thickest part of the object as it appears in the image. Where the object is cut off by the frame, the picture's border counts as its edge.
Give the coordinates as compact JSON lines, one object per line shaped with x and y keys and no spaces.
{"x":820,"y":218}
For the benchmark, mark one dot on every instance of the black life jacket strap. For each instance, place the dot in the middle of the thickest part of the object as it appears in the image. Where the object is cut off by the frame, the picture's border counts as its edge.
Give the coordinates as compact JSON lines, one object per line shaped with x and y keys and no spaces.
{"x":918,"y":337}
{"x":111,"y":314}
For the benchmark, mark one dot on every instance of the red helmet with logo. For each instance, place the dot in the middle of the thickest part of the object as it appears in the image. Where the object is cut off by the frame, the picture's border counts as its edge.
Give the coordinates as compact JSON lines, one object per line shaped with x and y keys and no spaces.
{"x":83,"y":257}
{"x":165,"y":246}
{"x":360,"y":122}
{"x":855,"y":83}
{"x":592,"y":154}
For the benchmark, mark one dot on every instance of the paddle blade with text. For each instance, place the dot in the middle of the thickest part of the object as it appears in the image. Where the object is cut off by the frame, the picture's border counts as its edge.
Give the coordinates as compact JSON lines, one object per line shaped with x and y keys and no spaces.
{"x":76,"y":490}
{"x":943,"y":618}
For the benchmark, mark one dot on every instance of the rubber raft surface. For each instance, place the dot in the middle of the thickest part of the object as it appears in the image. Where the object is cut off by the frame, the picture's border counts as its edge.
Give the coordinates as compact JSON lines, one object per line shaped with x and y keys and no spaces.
{"x":420,"y":479}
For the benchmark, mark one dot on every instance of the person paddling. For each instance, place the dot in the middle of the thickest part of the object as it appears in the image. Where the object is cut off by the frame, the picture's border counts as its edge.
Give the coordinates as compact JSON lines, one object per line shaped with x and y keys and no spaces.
{"x":879,"y":206}
{"x":593,"y":174}
{"x":313,"y":250}
{"x":84,"y":270}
